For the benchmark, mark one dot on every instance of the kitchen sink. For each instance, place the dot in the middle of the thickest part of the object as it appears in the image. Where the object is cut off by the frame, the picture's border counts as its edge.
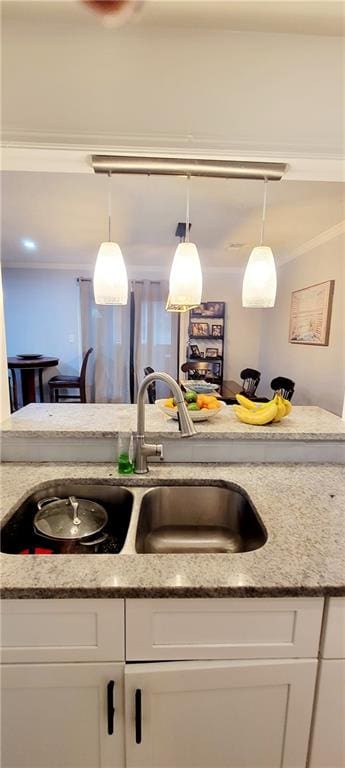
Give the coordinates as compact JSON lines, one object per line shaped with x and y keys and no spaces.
{"x":17,"y":534}
{"x":166,"y":519}
{"x":198,"y":519}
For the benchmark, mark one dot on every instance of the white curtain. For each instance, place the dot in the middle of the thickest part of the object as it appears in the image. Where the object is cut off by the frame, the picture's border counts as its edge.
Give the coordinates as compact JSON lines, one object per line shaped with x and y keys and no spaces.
{"x":107,"y":330}
{"x":155,"y":333}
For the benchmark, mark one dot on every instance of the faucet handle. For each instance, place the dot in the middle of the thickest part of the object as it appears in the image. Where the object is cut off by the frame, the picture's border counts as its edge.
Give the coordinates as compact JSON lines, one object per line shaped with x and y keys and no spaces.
{"x":159,"y":452}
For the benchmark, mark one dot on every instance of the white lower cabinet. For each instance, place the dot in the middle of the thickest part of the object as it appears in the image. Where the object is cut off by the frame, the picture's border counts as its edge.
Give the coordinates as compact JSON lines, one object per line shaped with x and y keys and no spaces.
{"x":199,"y":689}
{"x":56,"y":716}
{"x":328,"y":742}
{"x":228,"y":714}
{"x":328,"y":731}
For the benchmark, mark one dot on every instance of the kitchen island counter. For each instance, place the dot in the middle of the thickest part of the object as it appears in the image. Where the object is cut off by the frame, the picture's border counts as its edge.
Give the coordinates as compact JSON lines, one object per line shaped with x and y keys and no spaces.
{"x":89,"y":420}
{"x":90,"y":432}
{"x":301,"y":506}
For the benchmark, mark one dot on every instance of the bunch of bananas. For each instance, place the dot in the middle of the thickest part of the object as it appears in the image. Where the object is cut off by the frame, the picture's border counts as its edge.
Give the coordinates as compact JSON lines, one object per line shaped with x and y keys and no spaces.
{"x":261,"y":413}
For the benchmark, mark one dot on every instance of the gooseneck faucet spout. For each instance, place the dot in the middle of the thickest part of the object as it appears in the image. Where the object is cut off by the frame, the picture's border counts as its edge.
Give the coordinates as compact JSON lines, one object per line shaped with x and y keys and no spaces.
{"x":144,"y":450}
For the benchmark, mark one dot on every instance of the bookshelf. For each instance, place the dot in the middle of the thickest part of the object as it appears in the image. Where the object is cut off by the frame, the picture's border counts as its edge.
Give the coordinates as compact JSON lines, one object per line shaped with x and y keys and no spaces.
{"x":206,"y":338}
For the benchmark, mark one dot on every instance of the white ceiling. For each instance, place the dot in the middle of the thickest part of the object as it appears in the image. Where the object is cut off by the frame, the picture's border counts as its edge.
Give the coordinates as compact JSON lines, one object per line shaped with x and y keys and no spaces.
{"x":68,"y":81}
{"x":66,"y":214}
{"x":307,"y":17}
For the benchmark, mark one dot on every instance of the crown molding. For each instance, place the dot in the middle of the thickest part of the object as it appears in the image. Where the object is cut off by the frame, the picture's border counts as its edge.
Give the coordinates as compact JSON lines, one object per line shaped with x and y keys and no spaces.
{"x":15,"y":136}
{"x":36,"y":151}
{"x":135,"y":271}
{"x":53,"y":265}
{"x":309,"y":245}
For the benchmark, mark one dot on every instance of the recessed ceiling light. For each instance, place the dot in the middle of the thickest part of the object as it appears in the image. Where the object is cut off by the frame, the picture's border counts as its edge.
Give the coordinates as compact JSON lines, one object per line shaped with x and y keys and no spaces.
{"x":29,"y":244}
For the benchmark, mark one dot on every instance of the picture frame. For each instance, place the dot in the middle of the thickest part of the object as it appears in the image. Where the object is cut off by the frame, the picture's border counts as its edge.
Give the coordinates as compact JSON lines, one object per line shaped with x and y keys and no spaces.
{"x":209,"y":309}
{"x":212,"y":352}
{"x":310,"y":314}
{"x":200,"y":329}
{"x":194,"y":351}
{"x":217,"y":330}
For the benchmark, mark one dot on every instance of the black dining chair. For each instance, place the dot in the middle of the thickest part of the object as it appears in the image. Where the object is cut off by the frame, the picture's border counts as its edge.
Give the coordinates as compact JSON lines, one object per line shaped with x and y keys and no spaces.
{"x":283,"y":386}
{"x":250,"y":378}
{"x":151,"y":389}
{"x":12,"y":387}
{"x":60,"y":381}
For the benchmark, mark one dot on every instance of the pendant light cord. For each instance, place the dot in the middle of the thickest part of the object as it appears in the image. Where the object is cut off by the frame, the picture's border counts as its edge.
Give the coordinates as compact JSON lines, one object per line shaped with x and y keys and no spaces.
{"x":187,"y":210}
{"x":263,"y":213}
{"x":109,"y":207}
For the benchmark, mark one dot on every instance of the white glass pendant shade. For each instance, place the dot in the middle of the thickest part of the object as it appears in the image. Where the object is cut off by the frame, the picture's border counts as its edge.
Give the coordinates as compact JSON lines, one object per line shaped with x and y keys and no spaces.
{"x":260,"y":279}
{"x":185,"y":284}
{"x":110,"y":281}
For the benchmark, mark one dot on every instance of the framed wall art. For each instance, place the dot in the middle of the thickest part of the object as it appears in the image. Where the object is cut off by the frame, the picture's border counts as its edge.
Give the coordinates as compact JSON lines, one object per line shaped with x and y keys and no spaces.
{"x":310,"y":314}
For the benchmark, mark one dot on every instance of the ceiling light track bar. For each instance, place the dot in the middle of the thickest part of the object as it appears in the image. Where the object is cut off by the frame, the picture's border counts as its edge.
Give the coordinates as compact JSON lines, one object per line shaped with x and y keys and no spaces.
{"x":167,"y":166}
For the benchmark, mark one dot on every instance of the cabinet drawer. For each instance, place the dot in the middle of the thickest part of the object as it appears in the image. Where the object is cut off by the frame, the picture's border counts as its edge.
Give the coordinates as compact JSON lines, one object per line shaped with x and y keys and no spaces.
{"x":62,"y":630}
{"x":245,"y":628}
{"x":333,"y":646}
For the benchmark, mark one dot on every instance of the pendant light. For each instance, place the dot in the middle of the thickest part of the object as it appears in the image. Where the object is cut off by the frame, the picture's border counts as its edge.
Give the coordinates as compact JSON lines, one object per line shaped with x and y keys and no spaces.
{"x":110,"y":282}
{"x":260,"y":278}
{"x":185,"y":283}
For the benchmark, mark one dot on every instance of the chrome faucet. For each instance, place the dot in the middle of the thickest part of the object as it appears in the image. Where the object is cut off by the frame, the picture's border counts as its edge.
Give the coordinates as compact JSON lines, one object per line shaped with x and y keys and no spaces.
{"x":144,"y":450}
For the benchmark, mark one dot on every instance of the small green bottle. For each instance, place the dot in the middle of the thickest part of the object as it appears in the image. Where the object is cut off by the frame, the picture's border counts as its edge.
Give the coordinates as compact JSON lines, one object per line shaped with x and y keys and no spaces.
{"x":125,"y":463}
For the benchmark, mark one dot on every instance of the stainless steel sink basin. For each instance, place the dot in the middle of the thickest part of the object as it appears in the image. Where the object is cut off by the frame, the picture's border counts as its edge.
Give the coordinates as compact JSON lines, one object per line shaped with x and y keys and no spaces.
{"x":199,"y":519}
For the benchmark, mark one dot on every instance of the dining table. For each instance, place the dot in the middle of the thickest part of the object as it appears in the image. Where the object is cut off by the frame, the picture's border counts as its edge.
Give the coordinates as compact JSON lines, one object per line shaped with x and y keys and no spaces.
{"x":29,"y":367}
{"x":230,"y":388}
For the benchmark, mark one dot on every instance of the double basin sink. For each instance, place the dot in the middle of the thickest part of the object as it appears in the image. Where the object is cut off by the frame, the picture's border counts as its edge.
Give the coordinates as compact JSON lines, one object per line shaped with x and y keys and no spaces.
{"x":178,"y":518}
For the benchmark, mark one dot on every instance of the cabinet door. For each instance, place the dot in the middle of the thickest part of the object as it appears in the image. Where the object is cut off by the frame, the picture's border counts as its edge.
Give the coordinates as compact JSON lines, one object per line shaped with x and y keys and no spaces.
{"x":235,"y":714}
{"x":56,"y":716}
{"x":328,"y":738}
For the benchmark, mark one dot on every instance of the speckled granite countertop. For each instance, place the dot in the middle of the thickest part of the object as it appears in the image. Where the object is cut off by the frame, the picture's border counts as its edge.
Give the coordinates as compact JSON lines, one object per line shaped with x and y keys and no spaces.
{"x":107,"y":420}
{"x":302,"y":508}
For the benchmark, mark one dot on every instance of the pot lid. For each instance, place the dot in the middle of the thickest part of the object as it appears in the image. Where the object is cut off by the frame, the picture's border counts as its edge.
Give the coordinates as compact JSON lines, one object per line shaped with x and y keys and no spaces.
{"x":69,"y":518}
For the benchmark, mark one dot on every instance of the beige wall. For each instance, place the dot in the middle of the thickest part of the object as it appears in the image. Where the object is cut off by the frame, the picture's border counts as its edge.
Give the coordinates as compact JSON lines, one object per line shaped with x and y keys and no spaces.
{"x":319,"y":372}
{"x":259,"y":338}
{"x":4,"y":393}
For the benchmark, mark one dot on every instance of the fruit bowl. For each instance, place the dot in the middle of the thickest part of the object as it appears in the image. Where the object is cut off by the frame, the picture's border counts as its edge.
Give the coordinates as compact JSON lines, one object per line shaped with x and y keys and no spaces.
{"x":204,"y":414}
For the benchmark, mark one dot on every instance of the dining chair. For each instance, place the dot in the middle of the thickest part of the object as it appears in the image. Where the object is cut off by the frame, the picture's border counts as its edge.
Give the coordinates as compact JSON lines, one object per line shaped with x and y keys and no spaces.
{"x":250,"y":378}
{"x":12,"y":386}
{"x":151,"y":389}
{"x":60,"y":381}
{"x":283,"y":386}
